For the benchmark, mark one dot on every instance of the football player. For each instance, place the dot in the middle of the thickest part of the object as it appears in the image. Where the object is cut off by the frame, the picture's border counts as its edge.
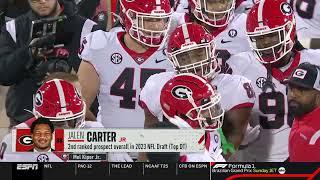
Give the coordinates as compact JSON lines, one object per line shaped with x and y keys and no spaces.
{"x":241,"y":6}
{"x":189,"y":101}
{"x":117,"y":64}
{"x":59,"y":101}
{"x":219,"y":18}
{"x":191,"y":49}
{"x":271,"y":28}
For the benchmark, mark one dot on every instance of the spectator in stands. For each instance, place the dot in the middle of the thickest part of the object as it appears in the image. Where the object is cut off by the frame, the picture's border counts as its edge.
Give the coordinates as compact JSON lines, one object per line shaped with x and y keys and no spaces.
{"x":22,"y":63}
{"x":304,"y":104}
{"x":100,"y":11}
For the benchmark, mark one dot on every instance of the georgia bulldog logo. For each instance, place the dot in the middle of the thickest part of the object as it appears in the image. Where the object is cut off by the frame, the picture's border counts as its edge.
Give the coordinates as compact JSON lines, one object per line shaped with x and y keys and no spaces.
{"x":181,"y":92}
{"x":23,"y":140}
{"x":26,"y":140}
{"x":38,"y":99}
{"x":286,"y":9}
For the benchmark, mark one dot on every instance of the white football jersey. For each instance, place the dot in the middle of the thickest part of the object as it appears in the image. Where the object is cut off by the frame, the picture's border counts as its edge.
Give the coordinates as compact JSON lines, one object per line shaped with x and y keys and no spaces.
{"x":10,"y":156}
{"x":122,"y":74}
{"x":181,"y":6}
{"x":116,"y":29}
{"x":229,"y":41}
{"x":236,"y":92}
{"x":244,"y":6}
{"x":270,"y":110}
{"x":307,"y":15}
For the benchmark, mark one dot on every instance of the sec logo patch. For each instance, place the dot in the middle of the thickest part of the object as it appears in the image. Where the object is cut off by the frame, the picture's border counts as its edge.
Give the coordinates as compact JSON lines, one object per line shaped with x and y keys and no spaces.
{"x":116,"y":58}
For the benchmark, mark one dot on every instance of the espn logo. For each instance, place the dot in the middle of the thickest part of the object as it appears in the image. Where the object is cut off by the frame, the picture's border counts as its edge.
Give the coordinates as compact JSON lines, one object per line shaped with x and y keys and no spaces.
{"x":220,"y":166}
{"x":27,"y":166}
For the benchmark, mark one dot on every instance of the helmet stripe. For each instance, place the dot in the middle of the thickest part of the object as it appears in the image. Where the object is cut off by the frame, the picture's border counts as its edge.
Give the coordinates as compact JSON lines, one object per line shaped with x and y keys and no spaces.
{"x":61,"y":95}
{"x":197,"y":77}
{"x":260,"y":11}
{"x":185,"y":33}
{"x":158,"y":4}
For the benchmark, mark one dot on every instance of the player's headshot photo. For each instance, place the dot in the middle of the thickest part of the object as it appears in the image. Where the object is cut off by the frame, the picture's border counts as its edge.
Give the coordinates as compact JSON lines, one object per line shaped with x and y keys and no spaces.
{"x":41,"y":133}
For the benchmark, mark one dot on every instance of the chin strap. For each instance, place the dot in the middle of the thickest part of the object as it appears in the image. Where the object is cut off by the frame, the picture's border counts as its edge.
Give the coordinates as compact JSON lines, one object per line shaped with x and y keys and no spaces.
{"x":268,"y":83}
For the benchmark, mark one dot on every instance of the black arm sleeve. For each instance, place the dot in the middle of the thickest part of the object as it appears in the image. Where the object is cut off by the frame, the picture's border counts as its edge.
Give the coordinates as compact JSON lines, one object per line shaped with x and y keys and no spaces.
{"x":14,"y":61}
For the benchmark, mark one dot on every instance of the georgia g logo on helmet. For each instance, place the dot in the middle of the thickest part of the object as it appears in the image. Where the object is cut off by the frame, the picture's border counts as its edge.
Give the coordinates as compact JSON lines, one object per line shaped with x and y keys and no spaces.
{"x":181,"y":92}
{"x":38,"y":99}
{"x":286,"y":9}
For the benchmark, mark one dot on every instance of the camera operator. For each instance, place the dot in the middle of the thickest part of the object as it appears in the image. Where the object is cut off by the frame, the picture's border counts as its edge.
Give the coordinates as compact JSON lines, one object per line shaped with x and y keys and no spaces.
{"x":25,"y":60}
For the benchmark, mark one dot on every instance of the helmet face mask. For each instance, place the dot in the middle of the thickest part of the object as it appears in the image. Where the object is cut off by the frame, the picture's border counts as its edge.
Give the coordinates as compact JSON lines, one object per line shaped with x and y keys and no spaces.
{"x":271,"y":30}
{"x":149,"y":26}
{"x":215,"y":13}
{"x":272,"y":44}
{"x":150,"y":30}
{"x":209,"y":114}
{"x":191,"y":49}
{"x":77,"y":122}
{"x":198,"y":59}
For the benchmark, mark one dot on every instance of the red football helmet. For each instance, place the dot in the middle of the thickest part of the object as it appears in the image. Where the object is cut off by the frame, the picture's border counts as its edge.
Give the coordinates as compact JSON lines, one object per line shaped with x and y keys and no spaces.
{"x":187,"y":100}
{"x":191,"y":50}
{"x":271,"y":28}
{"x":136,"y":14}
{"x":212,"y":12}
{"x":61,"y":102}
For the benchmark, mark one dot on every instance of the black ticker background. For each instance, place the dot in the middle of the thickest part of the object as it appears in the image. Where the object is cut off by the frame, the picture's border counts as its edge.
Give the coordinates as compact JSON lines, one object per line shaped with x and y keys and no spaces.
{"x":164,"y":171}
